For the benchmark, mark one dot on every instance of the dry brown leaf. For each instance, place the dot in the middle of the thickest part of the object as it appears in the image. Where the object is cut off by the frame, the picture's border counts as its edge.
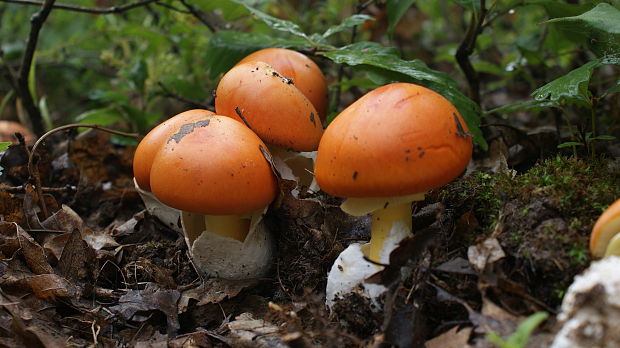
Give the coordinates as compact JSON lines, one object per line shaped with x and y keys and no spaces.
{"x":149,"y":299}
{"x":78,"y":260}
{"x":198,"y":339}
{"x":245,"y":331}
{"x":213,"y":290}
{"x":54,"y":244}
{"x":453,"y":338}
{"x":33,"y":253}
{"x":11,"y":208}
{"x":484,"y":254}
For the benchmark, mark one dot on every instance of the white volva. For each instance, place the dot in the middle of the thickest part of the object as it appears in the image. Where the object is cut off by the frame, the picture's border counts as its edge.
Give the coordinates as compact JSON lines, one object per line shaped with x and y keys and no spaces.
{"x":168,"y":215}
{"x":230,"y":247}
{"x":591,"y":308}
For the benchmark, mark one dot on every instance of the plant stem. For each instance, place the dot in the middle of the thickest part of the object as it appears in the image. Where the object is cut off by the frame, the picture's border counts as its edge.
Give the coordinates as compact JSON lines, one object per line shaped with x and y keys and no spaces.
{"x":466,"y":48}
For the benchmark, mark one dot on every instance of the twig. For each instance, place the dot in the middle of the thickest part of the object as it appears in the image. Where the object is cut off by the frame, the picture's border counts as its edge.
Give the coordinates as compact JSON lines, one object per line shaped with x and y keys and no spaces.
{"x":22,"y":188}
{"x":34,"y":172}
{"x":169,"y":93}
{"x":199,"y":16}
{"x":466,"y":48}
{"x":21,"y":88}
{"x":109,"y":10}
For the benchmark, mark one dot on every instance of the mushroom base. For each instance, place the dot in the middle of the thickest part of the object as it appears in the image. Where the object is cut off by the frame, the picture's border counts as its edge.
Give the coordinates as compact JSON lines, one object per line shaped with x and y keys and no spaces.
{"x":171,"y":217}
{"x":351,"y":268}
{"x":591,"y":308}
{"x":218,"y":255}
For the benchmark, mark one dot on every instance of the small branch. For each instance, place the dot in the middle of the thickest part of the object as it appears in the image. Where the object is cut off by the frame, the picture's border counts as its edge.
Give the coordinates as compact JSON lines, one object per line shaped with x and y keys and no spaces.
{"x":22,"y":90}
{"x":170,"y":94}
{"x":466,"y":48}
{"x":33,"y":170}
{"x":199,"y":15}
{"x":109,"y":10}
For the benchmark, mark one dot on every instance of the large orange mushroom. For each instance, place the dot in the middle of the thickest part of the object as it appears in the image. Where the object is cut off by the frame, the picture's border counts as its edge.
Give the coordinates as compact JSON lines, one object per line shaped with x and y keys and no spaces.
{"x":214,"y":170}
{"x":306,"y":76}
{"x":383,"y":152}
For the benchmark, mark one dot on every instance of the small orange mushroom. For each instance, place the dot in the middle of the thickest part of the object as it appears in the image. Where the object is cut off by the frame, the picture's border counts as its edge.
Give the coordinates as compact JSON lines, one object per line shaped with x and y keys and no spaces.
{"x":304,"y":72}
{"x":256,"y":94}
{"x":605,"y":237}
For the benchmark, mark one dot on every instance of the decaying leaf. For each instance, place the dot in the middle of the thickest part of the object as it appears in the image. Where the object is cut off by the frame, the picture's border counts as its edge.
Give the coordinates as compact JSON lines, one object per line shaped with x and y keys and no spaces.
{"x":485,"y":253}
{"x":453,"y":338}
{"x":137,"y":302}
{"x":33,"y":253}
{"x":213,"y":290}
{"x":78,"y":259}
{"x":246,"y":331}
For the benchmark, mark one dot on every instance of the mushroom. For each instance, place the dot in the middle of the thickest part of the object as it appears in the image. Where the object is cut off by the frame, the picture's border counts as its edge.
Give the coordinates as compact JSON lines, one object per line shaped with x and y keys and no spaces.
{"x":383,"y":152}
{"x":605,"y":237}
{"x":143,"y":161}
{"x":307,"y":77}
{"x":214,"y":170}
{"x":267,"y":102}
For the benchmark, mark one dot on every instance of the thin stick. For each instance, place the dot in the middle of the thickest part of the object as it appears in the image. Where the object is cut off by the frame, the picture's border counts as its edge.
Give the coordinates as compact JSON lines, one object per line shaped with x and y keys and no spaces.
{"x":109,"y":10}
{"x":34,"y":172}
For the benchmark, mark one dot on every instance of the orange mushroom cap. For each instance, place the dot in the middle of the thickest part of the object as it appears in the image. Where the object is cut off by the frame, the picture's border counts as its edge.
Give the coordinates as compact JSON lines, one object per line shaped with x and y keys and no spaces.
{"x":272,"y":107}
{"x":396,"y":140}
{"x":153,"y":141}
{"x":213,"y":166}
{"x":605,"y":228}
{"x":306,"y":75}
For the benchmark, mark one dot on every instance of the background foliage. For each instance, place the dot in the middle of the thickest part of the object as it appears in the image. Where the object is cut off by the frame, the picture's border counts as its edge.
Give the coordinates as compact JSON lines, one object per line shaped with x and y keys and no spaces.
{"x":135,"y":67}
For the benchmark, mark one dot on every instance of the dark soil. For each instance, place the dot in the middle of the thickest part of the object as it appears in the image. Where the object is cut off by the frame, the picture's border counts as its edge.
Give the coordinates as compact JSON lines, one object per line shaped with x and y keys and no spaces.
{"x":111,"y":274}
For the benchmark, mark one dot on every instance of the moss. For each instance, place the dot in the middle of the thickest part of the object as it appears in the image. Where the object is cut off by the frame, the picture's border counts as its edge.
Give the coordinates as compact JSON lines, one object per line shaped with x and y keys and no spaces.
{"x":542,"y":218}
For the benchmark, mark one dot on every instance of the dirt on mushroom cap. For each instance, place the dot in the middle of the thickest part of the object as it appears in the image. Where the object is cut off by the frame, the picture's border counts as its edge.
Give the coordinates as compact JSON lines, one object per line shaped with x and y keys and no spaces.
{"x":214,"y":168}
{"x":270,"y":105}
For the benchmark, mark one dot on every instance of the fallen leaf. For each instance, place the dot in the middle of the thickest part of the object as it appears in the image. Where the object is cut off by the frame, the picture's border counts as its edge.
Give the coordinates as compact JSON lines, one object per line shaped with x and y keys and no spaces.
{"x":245,"y":331}
{"x":198,"y":339}
{"x":453,"y":338}
{"x":485,"y":253}
{"x":78,"y":260}
{"x":33,"y":253}
{"x":150,"y":299}
{"x":213,"y":290}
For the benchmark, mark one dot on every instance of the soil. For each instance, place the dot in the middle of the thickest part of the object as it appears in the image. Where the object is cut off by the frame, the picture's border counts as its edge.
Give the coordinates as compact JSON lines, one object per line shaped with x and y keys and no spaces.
{"x":92,"y":267}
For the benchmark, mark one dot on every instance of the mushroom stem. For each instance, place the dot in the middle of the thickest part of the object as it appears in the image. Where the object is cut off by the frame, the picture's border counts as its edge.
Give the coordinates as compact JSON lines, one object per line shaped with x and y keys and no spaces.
{"x":383,"y":221}
{"x":229,"y":226}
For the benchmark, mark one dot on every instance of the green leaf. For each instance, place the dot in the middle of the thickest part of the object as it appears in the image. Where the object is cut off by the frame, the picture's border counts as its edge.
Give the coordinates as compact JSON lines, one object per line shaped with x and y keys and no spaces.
{"x":142,"y":119}
{"x":572,"y":88}
{"x":138,"y":74}
{"x":347,"y":23}
{"x":395,"y":11}
{"x":601,"y":137}
{"x":473,"y":5}
{"x":385,"y":66}
{"x":569,"y":144}
{"x":4,"y":145}
{"x":601,"y":25}
{"x":520,"y":337}
{"x":226,"y":48}
{"x":101,"y":117}
{"x":230,"y":10}
{"x":530,"y":105}
{"x":45,"y":113}
{"x":275,"y":23}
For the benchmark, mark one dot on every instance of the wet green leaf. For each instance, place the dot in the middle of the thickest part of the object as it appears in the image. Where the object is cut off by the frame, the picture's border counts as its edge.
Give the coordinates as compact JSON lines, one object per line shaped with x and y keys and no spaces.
{"x":347,"y":23}
{"x":395,"y":10}
{"x":226,"y":48}
{"x":384,"y":66}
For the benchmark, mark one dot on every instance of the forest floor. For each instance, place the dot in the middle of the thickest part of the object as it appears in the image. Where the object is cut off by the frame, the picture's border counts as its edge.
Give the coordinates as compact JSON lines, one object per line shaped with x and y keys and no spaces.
{"x":90,"y":267}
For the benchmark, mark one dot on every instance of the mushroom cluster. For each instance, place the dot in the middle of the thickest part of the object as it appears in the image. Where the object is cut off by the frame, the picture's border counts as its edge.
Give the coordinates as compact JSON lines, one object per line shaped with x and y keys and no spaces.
{"x":212,"y":174}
